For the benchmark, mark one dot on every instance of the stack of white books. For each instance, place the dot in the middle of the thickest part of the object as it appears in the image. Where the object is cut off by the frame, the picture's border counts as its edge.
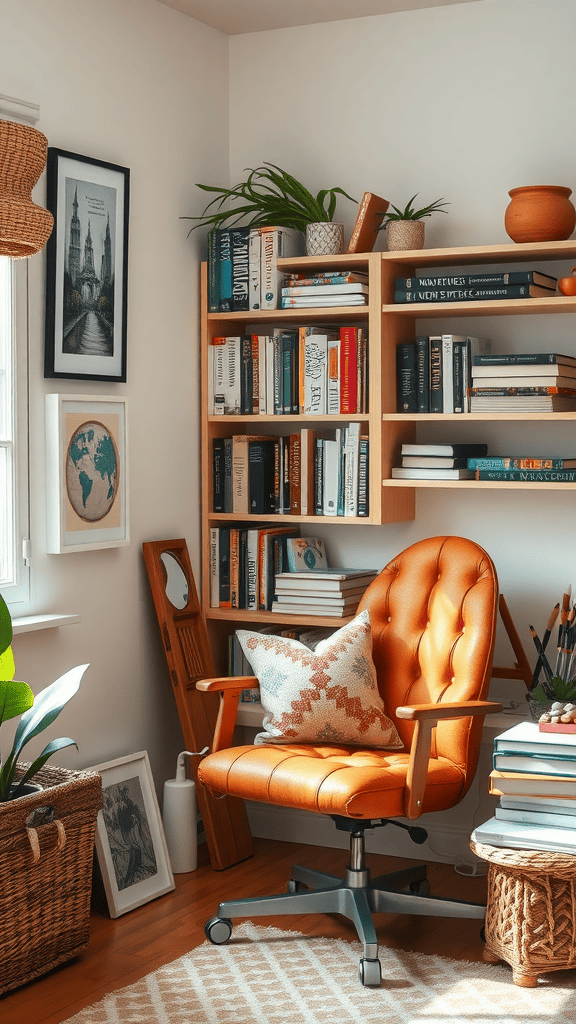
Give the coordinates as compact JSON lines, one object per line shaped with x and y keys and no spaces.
{"x":331,"y":591}
{"x":534,"y":775}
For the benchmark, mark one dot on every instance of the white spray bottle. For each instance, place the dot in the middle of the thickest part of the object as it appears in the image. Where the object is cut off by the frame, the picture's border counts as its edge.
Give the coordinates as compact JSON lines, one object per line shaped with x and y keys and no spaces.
{"x":179,"y":818}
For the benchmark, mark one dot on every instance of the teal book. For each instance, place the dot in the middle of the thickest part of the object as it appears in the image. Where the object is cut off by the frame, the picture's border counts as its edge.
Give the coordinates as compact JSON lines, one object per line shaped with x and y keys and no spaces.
{"x":476,"y":280}
{"x":528,"y":475}
{"x":525,"y":737}
{"x":225,"y":270}
{"x":533,"y":764}
{"x":520,"y":462}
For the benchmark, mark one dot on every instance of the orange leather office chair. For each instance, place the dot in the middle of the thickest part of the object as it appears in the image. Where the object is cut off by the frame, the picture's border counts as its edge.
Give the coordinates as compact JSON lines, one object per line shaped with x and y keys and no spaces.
{"x":433,"y":620}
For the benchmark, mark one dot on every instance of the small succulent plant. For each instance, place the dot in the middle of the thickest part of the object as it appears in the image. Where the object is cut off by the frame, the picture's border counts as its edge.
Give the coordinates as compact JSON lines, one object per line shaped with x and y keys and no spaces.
{"x":410,"y":213}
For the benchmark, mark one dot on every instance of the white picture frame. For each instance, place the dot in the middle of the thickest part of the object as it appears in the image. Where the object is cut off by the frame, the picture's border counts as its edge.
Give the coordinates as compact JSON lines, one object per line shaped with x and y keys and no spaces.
{"x":86,"y":473}
{"x":130,"y":844}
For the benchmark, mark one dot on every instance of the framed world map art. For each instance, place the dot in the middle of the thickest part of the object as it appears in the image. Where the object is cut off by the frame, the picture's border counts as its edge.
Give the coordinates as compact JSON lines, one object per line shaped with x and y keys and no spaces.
{"x":86,"y":473}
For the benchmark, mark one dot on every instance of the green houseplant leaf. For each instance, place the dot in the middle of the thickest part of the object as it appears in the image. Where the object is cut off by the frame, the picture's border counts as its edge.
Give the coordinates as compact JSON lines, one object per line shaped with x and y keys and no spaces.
{"x":5,"y":626}
{"x":268,"y":196}
{"x":15,"y":699}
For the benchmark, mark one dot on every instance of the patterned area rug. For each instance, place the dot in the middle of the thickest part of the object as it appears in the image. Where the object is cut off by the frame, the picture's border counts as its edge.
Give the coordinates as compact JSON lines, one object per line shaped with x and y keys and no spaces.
{"x":268,"y":976}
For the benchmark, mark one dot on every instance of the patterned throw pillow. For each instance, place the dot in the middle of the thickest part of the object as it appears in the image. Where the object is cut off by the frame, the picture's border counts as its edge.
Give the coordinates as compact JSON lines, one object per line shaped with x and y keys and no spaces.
{"x":329,"y":696}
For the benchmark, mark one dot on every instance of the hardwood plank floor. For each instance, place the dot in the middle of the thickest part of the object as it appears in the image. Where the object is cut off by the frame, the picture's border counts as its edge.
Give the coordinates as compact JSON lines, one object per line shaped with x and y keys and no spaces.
{"x":125,"y":949}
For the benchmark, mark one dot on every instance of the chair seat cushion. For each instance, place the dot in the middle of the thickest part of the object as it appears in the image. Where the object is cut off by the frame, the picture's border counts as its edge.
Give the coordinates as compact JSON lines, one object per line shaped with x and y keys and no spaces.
{"x":329,"y":695}
{"x":327,"y":779}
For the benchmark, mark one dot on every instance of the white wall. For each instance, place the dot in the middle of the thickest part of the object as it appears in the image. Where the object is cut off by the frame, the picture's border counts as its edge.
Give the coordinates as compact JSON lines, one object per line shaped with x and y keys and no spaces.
{"x":464,"y":102}
{"x":138,"y":84}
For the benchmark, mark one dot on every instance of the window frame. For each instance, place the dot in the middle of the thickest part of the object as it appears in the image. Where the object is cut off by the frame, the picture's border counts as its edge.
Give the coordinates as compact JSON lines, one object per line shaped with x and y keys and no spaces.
{"x":16,"y":590}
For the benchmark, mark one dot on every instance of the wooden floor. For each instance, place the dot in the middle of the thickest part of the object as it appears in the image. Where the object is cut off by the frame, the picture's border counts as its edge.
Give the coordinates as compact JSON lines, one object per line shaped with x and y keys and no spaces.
{"x":125,"y":949}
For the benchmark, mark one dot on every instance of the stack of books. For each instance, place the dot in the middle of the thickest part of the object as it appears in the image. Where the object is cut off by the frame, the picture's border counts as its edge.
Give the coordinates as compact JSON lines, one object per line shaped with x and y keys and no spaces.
{"x":535,"y":777}
{"x":309,"y":369}
{"x":243,"y":266}
{"x":520,"y":284}
{"x":541,"y":382}
{"x":333,"y":288}
{"x":434,"y":372}
{"x":524,"y":468}
{"x":330,"y":591}
{"x":243,"y":563}
{"x":437,"y":461}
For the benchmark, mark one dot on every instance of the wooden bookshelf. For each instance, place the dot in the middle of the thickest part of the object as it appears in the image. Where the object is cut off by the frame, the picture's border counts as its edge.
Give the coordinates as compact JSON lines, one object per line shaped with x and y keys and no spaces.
{"x":388,"y":325}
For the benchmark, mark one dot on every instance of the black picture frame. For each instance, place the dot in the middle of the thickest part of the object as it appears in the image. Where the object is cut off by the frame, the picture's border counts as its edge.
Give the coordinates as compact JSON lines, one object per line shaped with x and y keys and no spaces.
{"x":86,"y":268}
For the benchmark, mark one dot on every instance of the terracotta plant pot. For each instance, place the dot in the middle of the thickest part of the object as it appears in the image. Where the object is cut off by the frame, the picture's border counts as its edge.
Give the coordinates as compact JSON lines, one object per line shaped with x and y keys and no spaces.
{"x":405,"y":234}
{"x":540,"y":213}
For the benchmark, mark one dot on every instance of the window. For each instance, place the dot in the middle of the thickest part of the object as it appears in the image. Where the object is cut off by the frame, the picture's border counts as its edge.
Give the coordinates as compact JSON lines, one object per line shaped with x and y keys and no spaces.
{"x":14,"y":477}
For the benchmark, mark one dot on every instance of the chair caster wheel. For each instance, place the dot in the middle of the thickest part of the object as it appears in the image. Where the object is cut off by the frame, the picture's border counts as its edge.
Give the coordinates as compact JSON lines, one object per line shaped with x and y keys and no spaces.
{"x":421,"y":888}
{"x":295,"y":886}
{"x":218,"y":930}
{"x":370,"y":973}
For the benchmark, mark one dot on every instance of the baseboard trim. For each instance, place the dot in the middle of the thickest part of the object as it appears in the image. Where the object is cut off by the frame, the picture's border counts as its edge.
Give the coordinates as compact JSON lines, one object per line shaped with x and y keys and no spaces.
{"x":445,"y":844}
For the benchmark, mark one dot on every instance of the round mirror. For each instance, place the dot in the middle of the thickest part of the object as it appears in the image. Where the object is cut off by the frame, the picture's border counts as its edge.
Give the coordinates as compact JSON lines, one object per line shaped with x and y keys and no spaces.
{"x":176,"y":584}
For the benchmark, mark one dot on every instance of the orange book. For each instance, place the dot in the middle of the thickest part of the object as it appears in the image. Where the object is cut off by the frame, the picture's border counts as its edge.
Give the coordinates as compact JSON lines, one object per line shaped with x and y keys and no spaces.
{"x":368,"y":222}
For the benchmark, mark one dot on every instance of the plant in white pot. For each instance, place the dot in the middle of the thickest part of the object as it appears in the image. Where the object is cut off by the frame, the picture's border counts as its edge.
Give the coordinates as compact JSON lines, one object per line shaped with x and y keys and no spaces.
{"x":405,"y":228}
{"x":36,"y":713}
{"x":272,"y":196}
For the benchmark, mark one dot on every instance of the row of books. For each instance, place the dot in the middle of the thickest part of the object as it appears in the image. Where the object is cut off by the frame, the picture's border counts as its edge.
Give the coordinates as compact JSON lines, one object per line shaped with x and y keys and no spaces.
{"x":329,"y":591}
{"x":540,"y":382}
{"x":534,"y":775}
{"x":309,"y":472}
{"x":243,"y":266}
{"x":461,"y":287}
{"x":310,"y":369}
{"x":332,"y":288}
{"x":462,"y":461}
{"x":434,"y":372}
{"x":243,"y":565}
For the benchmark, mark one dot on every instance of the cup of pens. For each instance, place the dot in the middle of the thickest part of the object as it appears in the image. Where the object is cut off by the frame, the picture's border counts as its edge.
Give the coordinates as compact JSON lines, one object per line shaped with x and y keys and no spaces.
{"x":552,"y":695}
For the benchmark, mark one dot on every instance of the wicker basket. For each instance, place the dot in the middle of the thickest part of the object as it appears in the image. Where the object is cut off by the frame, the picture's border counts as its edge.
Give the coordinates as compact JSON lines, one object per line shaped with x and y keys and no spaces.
{"x":531,"y":911}
{"x":46,"y":874}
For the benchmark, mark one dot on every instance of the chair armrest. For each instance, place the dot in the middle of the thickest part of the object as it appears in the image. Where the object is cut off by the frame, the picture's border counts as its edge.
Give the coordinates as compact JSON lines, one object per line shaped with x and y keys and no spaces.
{"x":228,"y":683}
{"x":230,"y":688}
{"x":462,"y":709}
{"x":426,"y":717}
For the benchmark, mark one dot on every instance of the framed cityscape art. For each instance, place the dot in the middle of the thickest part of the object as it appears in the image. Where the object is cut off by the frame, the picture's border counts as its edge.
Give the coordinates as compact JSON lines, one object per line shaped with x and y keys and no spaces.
{"x":86,"y":268}
{"x":86,"y":473}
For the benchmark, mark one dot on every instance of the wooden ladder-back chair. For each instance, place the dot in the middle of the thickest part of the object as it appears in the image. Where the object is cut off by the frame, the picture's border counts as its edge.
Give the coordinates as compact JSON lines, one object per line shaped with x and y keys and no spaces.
{"x":432,"y":614}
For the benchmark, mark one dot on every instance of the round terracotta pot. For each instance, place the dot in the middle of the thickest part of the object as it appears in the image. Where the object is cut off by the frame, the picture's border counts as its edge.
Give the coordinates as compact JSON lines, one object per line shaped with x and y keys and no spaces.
{"x":540,"y":213}
{"x":405,"y":234}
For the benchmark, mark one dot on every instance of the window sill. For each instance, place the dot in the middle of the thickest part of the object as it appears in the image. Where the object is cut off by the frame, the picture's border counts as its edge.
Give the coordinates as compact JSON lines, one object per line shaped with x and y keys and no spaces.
{"x":28,"y":623}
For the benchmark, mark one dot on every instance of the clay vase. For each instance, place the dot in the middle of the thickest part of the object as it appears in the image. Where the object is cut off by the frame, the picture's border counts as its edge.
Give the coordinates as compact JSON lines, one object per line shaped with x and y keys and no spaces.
{"x":540,"y":213}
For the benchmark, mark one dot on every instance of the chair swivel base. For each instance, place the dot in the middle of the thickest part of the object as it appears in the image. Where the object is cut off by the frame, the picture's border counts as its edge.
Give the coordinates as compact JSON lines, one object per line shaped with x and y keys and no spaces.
{"x":355,"y":897}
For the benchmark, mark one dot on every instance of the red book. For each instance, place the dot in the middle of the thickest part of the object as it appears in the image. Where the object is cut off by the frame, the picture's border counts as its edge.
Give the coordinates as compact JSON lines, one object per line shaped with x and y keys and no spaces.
{"x":348,"y":369}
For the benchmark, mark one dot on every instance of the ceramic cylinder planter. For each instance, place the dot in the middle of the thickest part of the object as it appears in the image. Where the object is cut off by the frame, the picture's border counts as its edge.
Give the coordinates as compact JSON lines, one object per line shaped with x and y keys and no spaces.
{"x":540,"y":213}
{"x":405,"y":234}
{"x":324,"y":239}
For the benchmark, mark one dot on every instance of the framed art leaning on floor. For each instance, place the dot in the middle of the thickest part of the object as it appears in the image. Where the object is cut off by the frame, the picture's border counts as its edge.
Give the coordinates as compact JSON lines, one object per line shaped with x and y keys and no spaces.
{"x":86,"y":268}
{"x":130,"y":844}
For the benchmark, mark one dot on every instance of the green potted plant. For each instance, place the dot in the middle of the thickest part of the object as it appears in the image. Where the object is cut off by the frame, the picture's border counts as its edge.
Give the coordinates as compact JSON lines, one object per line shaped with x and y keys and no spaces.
{"x":36,"y":713}
{"x":272,"y":196}
{"x":405,"y":228}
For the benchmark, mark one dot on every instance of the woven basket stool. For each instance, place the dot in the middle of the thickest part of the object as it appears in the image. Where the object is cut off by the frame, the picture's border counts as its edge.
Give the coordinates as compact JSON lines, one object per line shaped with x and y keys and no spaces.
{"x":531,"y":911}
{"x":46,"y":861}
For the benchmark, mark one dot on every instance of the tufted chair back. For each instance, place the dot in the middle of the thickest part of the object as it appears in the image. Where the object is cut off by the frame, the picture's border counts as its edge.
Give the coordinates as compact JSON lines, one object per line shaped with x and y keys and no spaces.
{"x":433,"y":617}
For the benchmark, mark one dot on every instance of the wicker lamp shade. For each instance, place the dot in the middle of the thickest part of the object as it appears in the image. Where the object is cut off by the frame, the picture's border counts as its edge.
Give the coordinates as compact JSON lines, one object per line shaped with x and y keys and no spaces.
{"x":24,"y":227}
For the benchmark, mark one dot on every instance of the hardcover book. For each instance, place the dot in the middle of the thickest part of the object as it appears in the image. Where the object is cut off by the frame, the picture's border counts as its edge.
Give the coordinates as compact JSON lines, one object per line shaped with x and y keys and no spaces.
{"x":520,"y":462}
{"x":520,"y":835}
{"x":368,"y":223}
{"x":305,"y":554}
{"x":509,"y":291}
{"x":406,"y":386}
{"x":523,"y":359}
{"x":458,"y":449}
{"x":479,"y":280}
{"x":530,"y":784}
{"x":405,"y":473}
{"x":528,"y":475}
